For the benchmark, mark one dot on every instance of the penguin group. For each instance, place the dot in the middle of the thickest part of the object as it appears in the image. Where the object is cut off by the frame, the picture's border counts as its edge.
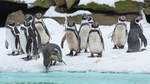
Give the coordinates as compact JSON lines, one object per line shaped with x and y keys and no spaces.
{"x":135,"y":38}
{"x":88,"y":36}
{"x":32,"y":38}
{"x":90,"y":39}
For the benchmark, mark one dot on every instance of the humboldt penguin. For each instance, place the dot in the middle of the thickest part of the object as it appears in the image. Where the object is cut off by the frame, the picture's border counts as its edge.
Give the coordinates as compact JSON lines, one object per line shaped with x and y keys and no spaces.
{"x":72,"y":38}
{"x":84,"y":32}
{"x":32,"y":40}
{"x":136,"y":38}
{"x":12,"y":38}
{"x":41,"y":28}
{"x":119,"y":35}
{"x":95,"y":40}
{"x":51,"y":54}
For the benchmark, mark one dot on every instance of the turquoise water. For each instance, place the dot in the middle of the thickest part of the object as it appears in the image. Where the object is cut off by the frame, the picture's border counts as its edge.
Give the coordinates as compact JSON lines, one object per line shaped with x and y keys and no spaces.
{"x":73,"y":78}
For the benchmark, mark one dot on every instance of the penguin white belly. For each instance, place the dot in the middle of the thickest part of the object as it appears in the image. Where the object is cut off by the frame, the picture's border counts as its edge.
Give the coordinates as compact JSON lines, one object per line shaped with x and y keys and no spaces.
{"x":84,"y":36}
{"x":43,"y":35}
{"x":23,"y":41}
{"x":119,"y":36}
{"x":95,"y":43}
{"x":11,"y":39}
{"x":72,"y":40}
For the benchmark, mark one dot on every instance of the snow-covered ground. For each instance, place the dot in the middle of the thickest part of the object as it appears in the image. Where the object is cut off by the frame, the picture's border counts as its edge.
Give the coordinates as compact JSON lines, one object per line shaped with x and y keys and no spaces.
{"x":112,"y":60}
{"x":106,"y":2}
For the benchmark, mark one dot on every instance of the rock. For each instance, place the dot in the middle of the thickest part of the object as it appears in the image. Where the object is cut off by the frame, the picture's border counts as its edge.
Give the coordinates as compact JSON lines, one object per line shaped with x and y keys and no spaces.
{"x":70,"y":3}
{"x":17,"y":16}
{"x":147,"y":11}
{"x":60,"y":3}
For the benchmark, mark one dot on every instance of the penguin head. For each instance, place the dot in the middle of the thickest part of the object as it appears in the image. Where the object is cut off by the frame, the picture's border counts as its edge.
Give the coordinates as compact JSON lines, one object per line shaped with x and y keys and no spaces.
{"x":71,"y":23}
{"x":95,"y":25}
{"x":84,"y":17}
{"x":122,"y":18}
{"x":38,"y":15}
{"x":28,"y":18}
{"x":27,"y":23}
{"x":90,"y":19}
{"x":11,"y":23}
{"x":138,"y":19}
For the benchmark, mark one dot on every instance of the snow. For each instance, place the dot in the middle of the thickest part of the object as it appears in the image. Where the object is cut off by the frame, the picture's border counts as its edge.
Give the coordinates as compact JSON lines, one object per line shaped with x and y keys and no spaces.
{"x":28,"y":1}
{"x":112,"y":61}
{"x":106,"y":2}
{"x":51,"y":12}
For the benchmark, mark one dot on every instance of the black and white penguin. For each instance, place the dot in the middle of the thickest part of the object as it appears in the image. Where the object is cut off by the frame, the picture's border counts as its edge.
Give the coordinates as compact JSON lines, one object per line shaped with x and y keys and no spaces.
{"x":41,"y":28}
{"x":32,"y":39}
{"x":84,"y":32}
{"x":51,"y":54}
{"x":12,"y":38}
{"x":136,"y":37}
{"x":72,"y":38}
{"x":95,"y":40}
{"x":119,"y":35}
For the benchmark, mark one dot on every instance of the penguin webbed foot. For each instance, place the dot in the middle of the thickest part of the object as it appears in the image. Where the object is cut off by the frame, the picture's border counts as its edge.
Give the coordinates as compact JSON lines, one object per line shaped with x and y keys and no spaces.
{"x":92,"y":55}
{"x":14,"y":53}
{"x":121,"y":47}
{"x":99,"y":55}
{"x":85,"y":51}
{"x":115,"y":47}
{"x":70,"y":54}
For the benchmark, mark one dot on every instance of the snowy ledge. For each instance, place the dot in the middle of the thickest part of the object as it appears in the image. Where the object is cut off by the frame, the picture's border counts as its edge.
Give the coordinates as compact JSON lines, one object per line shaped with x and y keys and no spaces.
{"x":106,"y":2}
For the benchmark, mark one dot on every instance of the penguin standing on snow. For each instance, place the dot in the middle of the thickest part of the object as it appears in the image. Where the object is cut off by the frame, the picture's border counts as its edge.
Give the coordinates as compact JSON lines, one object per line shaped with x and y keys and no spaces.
{"x":41,"y":28}
{"x":24,"y":36}
{"x":95,"y":41}
{"x":31,"y":35}
{"x":72,"y":38}
{"x":84,"y":32}
{"x":51,"y":54}
{"x":12,"y":38}
{"x":119,"y":35}
{"x":136,"y":38}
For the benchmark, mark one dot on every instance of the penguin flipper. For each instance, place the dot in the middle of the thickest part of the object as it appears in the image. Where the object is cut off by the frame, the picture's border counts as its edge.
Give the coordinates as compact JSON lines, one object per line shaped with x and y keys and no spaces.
{"x":141,"y":35}
{"x":62,"y":41}
{"x":6,"y":44}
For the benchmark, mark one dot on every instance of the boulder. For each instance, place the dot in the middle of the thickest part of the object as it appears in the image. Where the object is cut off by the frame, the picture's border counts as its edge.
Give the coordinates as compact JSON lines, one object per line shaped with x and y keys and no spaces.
{"x":70,"y":3}
{"x":17,"y":16}
{"x":60,"y":3}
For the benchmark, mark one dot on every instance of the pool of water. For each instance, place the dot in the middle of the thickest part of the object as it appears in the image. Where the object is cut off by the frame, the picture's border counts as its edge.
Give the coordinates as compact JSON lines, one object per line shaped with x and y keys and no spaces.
{"x":73,"y":78}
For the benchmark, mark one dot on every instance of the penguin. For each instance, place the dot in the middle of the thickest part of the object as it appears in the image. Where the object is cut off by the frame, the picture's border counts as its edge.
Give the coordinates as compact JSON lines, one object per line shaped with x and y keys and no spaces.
{"x":51,"y":54}
{"x":32,"y":39}
{"x":95,"y":40}
{"x":41,"y":28}
{"x":12,"y":38}
{"x":119,"y":35}
{"x":136,"y":37}
{"x":23,"y":36}
{"x":84,"y":32}
{"x":72,"y":38}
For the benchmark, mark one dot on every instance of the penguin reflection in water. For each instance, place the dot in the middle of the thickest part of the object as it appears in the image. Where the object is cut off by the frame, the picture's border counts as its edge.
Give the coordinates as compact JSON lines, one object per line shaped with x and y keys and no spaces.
{"x":12,"y":38}
{"x":95,"y":40}
{"x":119,"y":35}
{"x":136,"y":38}
{"x":72,"y":38}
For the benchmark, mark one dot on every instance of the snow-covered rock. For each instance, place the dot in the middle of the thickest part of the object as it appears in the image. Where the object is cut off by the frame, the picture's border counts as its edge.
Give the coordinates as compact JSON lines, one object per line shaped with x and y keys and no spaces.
{"x":106,"y":2}
{"x":52,"y":13}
